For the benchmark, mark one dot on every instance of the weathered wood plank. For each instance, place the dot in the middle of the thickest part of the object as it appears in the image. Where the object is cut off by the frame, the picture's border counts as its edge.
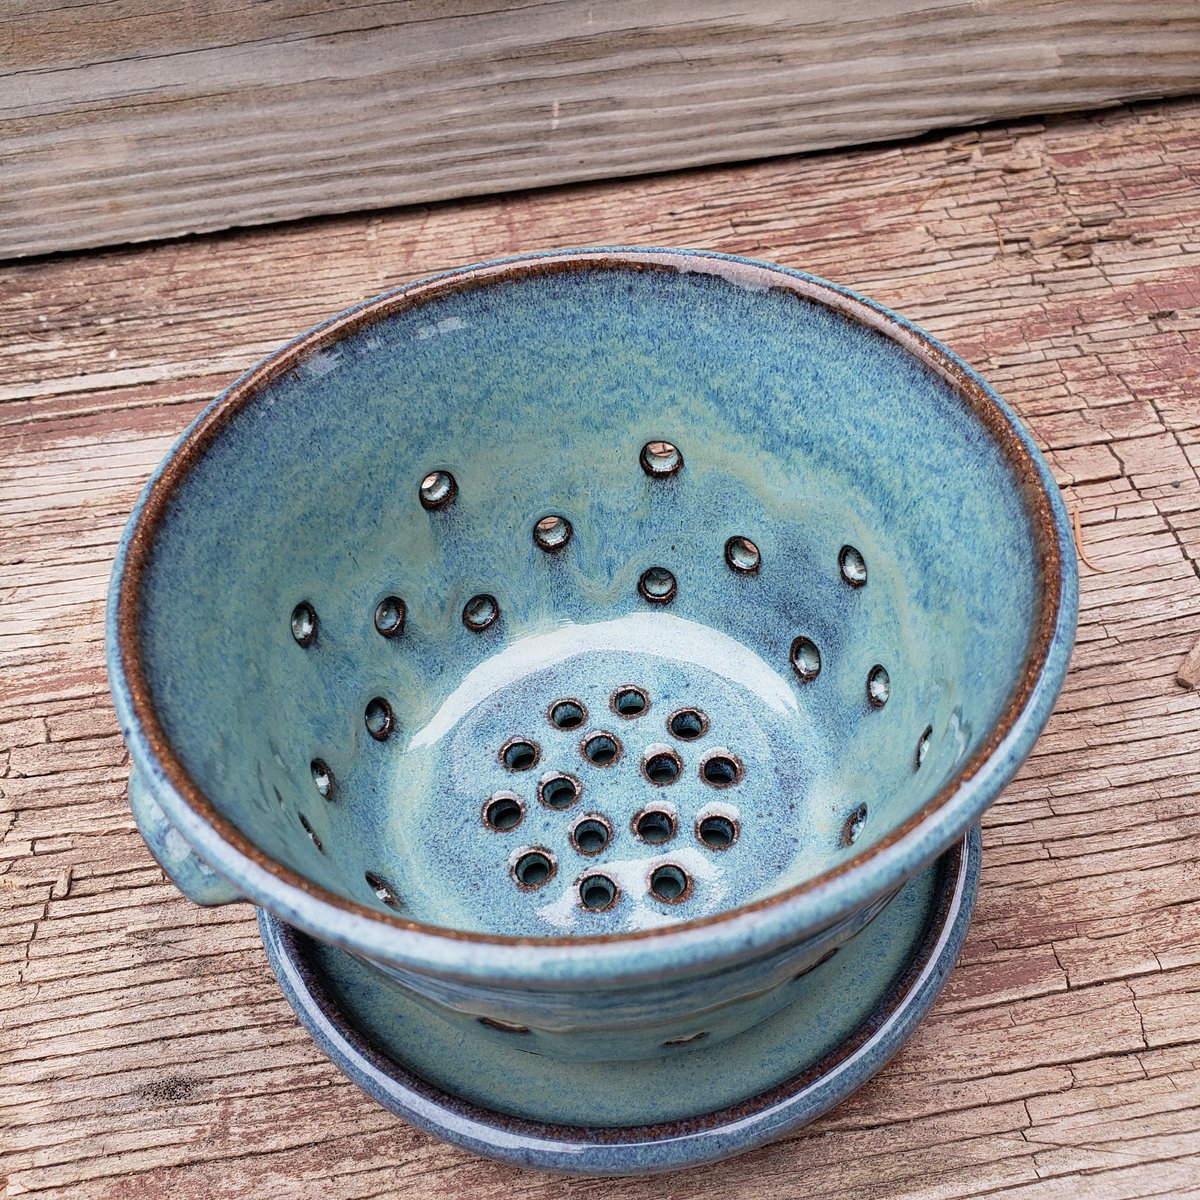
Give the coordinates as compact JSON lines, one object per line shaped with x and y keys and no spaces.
{"x":152,"y":119}
{"x":146,"y":1051}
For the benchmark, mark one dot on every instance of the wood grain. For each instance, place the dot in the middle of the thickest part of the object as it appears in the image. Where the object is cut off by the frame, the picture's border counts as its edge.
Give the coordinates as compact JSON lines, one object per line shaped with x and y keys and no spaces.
{"x":154,"y":118}
{"x":146,"y":1050}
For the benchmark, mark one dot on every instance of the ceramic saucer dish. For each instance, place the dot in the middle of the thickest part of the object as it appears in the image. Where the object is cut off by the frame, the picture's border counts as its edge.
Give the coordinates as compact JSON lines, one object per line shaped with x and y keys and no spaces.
{"x":593,"y":666}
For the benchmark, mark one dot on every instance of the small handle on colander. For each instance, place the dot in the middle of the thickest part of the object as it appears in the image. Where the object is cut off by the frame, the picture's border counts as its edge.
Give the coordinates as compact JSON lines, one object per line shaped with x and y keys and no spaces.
{"x":186,"y":869}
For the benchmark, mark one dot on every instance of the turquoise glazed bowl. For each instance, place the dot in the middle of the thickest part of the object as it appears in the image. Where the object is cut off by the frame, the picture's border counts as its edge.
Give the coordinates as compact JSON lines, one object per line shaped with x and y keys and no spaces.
{"x":588,"y":644}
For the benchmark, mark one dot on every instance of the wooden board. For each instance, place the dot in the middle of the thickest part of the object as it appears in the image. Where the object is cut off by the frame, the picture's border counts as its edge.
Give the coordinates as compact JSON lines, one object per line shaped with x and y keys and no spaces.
{"x":146,"y":1049}
{"x":154,"y":118}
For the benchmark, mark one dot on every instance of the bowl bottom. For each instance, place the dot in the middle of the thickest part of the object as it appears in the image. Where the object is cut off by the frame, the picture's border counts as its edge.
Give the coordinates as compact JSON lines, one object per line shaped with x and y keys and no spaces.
{"x":700,"y":1104}
{"x":616,"y":776}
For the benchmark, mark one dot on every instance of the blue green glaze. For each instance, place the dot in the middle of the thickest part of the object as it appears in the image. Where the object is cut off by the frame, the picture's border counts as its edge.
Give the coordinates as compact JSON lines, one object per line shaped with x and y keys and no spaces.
{"x":845,"y":1019}
{"x":188,"y":871}
{"x":536,"y":385}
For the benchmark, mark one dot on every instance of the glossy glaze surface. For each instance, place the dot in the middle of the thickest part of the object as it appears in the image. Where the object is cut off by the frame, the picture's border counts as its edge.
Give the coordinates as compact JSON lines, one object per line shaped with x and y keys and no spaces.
{"x":363,"y":756}
{"x":377,"y":622}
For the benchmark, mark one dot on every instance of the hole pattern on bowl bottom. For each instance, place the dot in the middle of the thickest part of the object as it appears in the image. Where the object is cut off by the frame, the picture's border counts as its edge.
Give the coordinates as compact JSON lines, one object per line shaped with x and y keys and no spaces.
{"x":638,"y":790}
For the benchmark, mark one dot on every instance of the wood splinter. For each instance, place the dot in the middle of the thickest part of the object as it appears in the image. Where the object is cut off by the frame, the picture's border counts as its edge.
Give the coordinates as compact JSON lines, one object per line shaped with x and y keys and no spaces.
{"x":1079,"y":543}
{"x":1188,"y":675}
{"x":933,"y":191}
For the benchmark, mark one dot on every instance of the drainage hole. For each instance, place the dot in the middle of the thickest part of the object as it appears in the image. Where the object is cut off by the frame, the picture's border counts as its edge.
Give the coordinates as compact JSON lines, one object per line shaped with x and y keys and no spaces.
{"x":660,"y":459}
{"x":923,"y":746}
{"x":533,"y":869}
{"x":322,"y":777}
{"x":379,"y":719}
{"x":559,"y":791}
{"x":742,"y":555}
{"x":602,"y":749}
{"x":517,"y":754}
{"x":688,"y":724}
{"x":304,"y":624}
{"x":316,"y":841}
{"x":629,"y":701}
{"x":717,"y":833}
{"x":654,"y":826}
{"x":384,"y":892}
{"x":597,"y":892}
{"x":879,"y":686}
{"x":806,"y":658}
{"x":438,"y":488}
{"x":670,"y":884}
{"x":503,"y":1026}
{"x":662,"y":767}
{"x":721,"y":770}
{"x":686,"y":1041}
{"x":854,"y":825}
{"x":480,"y":611}
{"x":552,"y":533}
{"x":591,"y":835}
{"x":503,"y":812}
{"x":390,"y":614}
{"x":853,"y":565}
{"x":567,"y":714}
{"x":657,"y":585}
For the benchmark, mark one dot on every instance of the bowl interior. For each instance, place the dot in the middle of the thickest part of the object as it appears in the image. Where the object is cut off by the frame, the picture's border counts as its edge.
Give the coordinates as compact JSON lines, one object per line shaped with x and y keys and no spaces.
{"x":581,"y":601}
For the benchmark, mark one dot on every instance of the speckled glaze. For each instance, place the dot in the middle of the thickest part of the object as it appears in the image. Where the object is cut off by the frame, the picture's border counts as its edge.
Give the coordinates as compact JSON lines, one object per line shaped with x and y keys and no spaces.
{"x":375,"y":624}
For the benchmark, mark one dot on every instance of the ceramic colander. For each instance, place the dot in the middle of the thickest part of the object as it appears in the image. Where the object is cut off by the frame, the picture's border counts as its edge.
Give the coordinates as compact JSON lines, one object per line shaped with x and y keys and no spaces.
{"x":589,"y":644}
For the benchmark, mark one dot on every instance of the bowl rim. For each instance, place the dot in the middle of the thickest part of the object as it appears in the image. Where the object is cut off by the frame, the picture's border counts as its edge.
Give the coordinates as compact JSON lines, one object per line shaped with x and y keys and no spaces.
{"x":755,"y":927}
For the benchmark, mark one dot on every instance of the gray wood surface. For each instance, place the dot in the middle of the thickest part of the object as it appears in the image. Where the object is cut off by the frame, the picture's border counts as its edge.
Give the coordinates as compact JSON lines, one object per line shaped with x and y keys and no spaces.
{"x":147,"y":119}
